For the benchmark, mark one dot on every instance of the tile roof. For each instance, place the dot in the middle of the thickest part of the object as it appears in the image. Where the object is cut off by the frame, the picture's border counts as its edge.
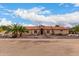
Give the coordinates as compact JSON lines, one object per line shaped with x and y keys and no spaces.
{"x":46,"y":27}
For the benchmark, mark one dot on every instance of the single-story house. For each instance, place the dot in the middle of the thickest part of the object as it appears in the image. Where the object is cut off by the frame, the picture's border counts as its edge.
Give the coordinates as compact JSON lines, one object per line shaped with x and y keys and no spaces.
{"x":47,"y":30}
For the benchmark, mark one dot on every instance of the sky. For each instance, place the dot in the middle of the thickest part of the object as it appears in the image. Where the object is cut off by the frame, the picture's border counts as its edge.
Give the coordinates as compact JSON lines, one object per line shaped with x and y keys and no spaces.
{"x":33,"y":14}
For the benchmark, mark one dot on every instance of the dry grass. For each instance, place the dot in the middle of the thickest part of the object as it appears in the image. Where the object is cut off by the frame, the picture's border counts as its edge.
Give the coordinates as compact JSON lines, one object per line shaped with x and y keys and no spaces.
{"x":39,"y":47}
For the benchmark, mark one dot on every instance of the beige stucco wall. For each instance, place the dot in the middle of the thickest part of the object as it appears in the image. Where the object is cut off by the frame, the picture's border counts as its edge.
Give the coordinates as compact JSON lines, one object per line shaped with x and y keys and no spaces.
{"x":29,"y":33}
{"x":64,"y":32}
{"x":61,"y":32}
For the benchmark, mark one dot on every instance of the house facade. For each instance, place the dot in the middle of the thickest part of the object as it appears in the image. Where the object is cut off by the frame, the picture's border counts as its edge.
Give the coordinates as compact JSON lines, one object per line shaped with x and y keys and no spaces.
{"x":47,"y":30}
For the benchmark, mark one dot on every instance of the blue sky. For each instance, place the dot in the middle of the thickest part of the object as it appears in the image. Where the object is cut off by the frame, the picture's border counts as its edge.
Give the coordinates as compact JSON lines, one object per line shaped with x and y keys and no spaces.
{"x":39,"y":13}
{"x":56,"y":8}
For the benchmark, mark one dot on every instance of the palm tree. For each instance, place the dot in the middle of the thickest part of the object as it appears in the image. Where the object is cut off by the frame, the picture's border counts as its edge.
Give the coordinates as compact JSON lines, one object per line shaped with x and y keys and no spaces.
{"x":21,"y":30}
{"x":13,"y":29}
{"x":17,"y":30}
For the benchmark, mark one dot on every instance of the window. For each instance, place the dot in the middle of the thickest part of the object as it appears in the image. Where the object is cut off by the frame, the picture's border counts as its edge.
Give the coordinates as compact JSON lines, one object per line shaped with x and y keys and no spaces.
{"x":48,"y":31}
{"x":35,"y":31}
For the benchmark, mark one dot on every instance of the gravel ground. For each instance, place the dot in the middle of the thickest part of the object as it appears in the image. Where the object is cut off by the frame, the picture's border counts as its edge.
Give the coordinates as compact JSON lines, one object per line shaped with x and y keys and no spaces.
{"x":39,"y":47}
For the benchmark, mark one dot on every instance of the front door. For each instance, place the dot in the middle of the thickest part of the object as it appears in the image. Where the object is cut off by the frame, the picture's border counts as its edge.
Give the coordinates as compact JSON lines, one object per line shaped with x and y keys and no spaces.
{"x":41,"y":31}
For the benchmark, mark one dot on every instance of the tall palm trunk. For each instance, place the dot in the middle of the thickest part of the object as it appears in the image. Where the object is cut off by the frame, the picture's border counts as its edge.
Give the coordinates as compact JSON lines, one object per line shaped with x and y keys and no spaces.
{"x":14,"y":35}
{"x":20,"y":34}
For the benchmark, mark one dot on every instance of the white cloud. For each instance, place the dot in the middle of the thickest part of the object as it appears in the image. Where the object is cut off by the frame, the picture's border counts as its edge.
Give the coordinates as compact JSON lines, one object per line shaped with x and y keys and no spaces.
{"x":64,"y":5}
{"x":4,"y":21}
{"x":68,"y":25}
{"x":27,"y":24}
{"x":33,"y":14}
{"x":46,"y":12}
{"x":76,"y":4}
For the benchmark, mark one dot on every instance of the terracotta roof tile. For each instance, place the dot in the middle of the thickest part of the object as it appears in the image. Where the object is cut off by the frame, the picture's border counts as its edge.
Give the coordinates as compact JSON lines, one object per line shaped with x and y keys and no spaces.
{"x":32,"y":27}
{"x":46,"y":27}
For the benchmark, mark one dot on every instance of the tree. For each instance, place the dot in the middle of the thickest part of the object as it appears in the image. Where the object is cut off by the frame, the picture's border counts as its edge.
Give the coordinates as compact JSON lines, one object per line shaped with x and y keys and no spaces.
{"x":21,"y":30}
{"x":15,"y":29}
{"x":3,"y":27}
{"x":75,"y":29}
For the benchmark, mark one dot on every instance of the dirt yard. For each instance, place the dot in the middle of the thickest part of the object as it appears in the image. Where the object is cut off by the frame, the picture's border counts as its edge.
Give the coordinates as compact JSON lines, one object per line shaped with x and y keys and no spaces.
{"x":31,"y":47}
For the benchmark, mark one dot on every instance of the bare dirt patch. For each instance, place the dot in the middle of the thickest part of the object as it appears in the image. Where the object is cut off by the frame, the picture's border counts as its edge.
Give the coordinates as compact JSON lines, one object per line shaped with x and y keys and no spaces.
{"x":54,"y":47}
